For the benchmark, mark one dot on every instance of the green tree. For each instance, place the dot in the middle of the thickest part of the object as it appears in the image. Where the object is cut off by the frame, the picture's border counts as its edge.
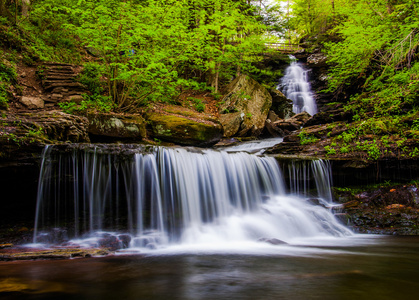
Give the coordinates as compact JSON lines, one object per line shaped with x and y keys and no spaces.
{"x":150,"y":49}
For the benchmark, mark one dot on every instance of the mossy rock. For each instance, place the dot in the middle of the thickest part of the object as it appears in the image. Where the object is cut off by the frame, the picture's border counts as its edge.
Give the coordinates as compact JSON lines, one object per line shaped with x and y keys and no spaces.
{"x":126,"y":127}
{"x":251,"y":100}
{"x":184,"y":131}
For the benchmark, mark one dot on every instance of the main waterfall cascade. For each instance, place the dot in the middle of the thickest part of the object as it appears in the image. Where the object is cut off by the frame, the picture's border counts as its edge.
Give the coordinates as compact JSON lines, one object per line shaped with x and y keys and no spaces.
{"x":296,"y":87}
{"x":157,"y":197}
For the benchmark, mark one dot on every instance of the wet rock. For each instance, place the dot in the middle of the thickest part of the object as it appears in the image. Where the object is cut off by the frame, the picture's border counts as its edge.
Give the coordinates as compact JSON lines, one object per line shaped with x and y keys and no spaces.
{"x":344,"y":218}
{"x":386,"y":210}
{"x":151,"y":246}
{"x":54,"y":236}
{"x":250,"y":102}
{"x":281,"y":105}
{"x":42,"y":254}
{"x":317,"y":202}
{"x":125,"y":240}
{"x":110,"y":242}
{"x":272,"y":241}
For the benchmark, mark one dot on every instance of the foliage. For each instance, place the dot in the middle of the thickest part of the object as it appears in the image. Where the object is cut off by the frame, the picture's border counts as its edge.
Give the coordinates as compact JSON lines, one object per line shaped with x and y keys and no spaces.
{"x":8,"y":76}
{"x":307,"y":138}
{"x":91,"y":102}
{"x":150,"y":50}
{"x":198,"y":104}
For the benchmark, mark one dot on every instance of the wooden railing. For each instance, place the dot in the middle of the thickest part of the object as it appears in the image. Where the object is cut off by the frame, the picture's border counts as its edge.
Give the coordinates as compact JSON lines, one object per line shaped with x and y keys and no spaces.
{"x":284,"y":47}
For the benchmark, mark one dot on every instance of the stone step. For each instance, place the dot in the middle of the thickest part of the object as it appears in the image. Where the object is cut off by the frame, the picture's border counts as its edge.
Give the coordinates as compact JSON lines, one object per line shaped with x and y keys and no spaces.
{"x":60,"y":77}
{"x":58,"y":90}
{"x":59,"y":72}
{"x":60,"y":69}
{"x":72,"y":93}
{"x":51,"y":63}
{"x":49,"y":82}
{"x":65,"y":84}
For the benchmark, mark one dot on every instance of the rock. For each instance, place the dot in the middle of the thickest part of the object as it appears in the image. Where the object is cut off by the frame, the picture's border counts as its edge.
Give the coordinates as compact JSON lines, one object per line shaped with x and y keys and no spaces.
{"x":274,"y":130}
{"x":329,"y":116}
{"x":151,"y":246}
{"x":63,"y":127}
{"x":250,"y":102}
{"x":125,"y":240}
{"x":284,"y":127}
{"x":300,"y":118}
{"x":67,"y":253}
{"x":317,"y":59}
{"x":316,"y":202}
{"x":55,"y":236}
{"x":281,"y":105}
{"x":184,"y":131}
{"x":272,"y":241}
{"x":75,"y":98}
{"x":231,"y":123}
{"x":128,"y":127}
{"x":32,"y":102}
{"x":110,"y":242}
{"x":272,"y":116}
{"x":92,"y":51}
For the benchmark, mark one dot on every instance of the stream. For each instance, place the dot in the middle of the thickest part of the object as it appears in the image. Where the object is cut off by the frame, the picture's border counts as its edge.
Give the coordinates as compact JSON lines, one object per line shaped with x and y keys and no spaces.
{"x":362,"y":267}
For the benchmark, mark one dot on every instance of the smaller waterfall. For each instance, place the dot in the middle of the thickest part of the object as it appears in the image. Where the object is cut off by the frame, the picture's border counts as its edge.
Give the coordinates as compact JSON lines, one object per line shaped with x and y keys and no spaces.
{"x":296,"y":87}
{"x":301,"y":173}
{"x":154,"y":197}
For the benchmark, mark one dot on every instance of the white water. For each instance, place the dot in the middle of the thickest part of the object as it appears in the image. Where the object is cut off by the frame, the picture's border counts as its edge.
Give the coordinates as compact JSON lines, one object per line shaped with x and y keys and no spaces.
{"x":296,"y":87}
{"x":256,"y":146}
{"x":173,"y":197}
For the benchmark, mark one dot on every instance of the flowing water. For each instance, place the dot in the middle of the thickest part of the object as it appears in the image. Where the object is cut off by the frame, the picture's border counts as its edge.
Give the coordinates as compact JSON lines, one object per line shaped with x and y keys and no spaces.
{"x":201,"y":224}
{"x":296,"y":87}
{"x":165,"y":197}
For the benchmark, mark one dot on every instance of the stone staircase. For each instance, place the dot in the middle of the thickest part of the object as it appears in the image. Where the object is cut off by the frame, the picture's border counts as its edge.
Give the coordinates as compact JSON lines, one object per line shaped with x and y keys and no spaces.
{"x":60,"y":85}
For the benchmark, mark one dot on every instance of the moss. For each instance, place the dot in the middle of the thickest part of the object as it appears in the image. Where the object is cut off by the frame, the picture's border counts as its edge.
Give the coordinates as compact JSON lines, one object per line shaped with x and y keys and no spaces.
{"x":183,"y":130}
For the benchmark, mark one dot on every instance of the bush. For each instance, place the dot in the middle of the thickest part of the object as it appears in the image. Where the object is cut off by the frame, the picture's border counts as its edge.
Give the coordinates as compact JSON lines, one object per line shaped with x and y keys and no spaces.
{"x":90,"y":77}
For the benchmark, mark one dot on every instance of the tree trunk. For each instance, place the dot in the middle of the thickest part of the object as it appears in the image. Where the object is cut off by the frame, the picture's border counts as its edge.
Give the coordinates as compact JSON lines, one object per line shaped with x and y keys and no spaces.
{"x":2,"y":7}
{"x":25,"y":8}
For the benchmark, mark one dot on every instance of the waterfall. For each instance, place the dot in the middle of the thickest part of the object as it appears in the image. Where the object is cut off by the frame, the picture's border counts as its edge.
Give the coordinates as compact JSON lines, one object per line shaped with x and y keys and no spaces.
{"x":296,"y":87}
{"x":165,"y":196}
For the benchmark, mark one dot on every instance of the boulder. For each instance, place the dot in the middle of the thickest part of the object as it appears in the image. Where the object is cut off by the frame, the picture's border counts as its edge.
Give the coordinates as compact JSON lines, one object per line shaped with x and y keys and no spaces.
{"x":127,"y":127}
{"x":183,"y":130}
{"x":58,"y":126}
{"x":249,"y":102}
{"x":281,"y":105}
{"x":231,"y":123}
{"x":32,"y":102}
